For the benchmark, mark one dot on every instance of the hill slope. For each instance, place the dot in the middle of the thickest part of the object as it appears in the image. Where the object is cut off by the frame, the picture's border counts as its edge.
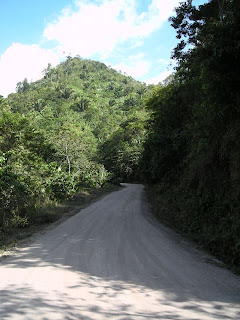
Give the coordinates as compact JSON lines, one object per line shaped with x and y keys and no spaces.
{"x":54,"y":134}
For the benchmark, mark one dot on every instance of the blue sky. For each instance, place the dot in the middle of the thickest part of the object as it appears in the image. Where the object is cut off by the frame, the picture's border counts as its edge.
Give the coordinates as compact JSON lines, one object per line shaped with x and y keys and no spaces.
{"x":133,"y":36}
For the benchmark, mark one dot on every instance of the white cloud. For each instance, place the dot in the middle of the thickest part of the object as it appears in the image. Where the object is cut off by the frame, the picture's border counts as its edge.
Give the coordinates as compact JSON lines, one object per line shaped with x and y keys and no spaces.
{"x":137,"y":44}
{"x":98,"y":27}
{"x":23,"y":61}
{"x":161,"y":77}
{"x":164,"y":61}
{"x":135,"y":66}
{"x":135,"y":70}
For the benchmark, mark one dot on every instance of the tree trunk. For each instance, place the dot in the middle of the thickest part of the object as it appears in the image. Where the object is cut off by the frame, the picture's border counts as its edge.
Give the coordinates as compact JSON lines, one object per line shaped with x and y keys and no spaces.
{"x":68,"y":160}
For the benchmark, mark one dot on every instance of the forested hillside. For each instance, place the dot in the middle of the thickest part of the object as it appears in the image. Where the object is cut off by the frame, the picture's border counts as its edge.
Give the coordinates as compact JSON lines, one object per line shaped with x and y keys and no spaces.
{"x":56,"y":135}
{"x":192,"y":155}
{"x":84,"y":124}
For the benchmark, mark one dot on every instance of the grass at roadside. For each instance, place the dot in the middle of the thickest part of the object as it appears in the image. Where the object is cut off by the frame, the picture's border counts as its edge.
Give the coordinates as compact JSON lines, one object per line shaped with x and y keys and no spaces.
{"x":52,"y":214}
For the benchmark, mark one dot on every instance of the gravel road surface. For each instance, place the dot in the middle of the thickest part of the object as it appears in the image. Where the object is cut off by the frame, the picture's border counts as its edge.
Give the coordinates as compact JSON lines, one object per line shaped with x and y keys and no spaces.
{"x":113,"y":260}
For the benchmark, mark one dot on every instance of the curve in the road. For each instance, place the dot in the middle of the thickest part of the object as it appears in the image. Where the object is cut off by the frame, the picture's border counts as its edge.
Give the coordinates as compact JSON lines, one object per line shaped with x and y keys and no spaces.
{"x":112,"y":260}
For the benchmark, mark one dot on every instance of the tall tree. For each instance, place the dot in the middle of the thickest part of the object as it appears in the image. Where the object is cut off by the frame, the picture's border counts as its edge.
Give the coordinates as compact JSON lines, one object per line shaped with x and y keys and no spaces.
{"x":193,"y":144}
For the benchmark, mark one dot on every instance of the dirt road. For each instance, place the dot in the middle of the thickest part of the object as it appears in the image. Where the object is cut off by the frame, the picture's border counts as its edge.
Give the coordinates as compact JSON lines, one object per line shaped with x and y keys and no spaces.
{"x":114,"y":261}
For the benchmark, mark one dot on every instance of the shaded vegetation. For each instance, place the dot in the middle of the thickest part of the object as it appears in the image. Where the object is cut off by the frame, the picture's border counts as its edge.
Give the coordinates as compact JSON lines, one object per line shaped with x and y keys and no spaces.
{"x":192,"y":154}
{"x":122,"y":152}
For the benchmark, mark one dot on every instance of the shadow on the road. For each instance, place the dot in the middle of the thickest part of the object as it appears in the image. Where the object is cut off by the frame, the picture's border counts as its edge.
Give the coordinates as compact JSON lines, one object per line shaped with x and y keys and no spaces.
{"x":17,"y":301}
{"x":115,"y":284}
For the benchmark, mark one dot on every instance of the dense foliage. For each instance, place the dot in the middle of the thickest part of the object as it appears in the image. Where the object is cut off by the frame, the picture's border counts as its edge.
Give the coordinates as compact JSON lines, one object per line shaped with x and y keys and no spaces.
{"x":193,"y":150}
{"x":122,"y":152}
{"x":54,"y":135}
